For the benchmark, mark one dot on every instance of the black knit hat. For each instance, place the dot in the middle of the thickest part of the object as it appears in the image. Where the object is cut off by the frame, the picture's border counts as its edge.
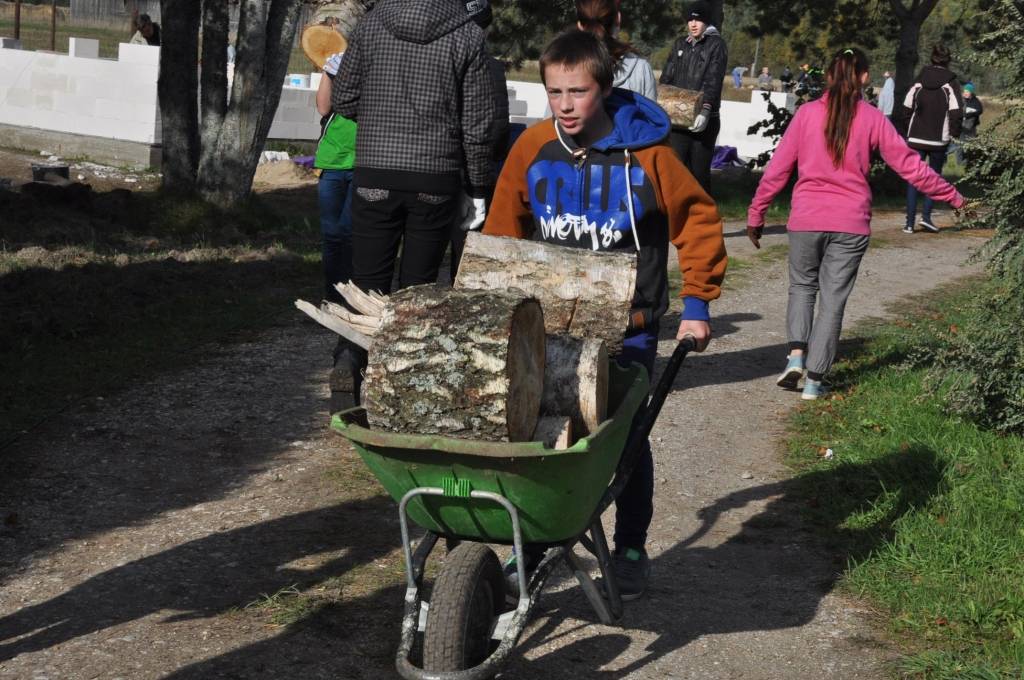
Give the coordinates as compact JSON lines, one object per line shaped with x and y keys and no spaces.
{"x":699,"y":10}
{"x":480,"y":12}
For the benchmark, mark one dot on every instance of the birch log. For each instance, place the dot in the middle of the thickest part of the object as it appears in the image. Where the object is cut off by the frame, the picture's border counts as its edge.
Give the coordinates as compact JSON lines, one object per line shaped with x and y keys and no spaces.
{"x":682,"y":106}
{"x":584,"y":293}
{"x":467,"y":364}
{"x":576,"y":382}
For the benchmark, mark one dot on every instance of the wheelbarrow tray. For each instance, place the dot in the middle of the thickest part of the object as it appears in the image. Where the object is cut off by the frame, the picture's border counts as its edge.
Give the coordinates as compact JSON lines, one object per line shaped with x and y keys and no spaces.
{"x":556,"y":491}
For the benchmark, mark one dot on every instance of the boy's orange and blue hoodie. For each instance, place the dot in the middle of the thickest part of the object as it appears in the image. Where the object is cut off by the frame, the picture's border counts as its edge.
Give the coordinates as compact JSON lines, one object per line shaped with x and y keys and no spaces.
{"x":628,"y":191}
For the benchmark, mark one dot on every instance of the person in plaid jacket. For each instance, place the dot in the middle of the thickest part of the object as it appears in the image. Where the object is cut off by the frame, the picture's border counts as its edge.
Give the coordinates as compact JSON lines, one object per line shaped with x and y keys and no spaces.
{"x":416,"y":79}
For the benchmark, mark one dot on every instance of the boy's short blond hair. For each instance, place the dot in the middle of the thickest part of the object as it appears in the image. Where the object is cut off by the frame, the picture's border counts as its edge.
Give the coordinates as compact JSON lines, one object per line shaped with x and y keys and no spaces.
{"x":575,"y":48}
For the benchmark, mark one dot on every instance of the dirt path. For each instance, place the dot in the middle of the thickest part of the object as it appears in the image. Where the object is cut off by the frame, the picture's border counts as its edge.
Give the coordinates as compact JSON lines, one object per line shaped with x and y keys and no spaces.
{"x":141,"y":535}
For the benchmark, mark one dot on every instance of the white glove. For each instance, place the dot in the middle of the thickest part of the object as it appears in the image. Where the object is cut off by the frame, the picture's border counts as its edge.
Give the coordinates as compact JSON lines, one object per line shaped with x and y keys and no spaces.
{"x":474,"y":212}
{"x":333,"y":63}
{"x":699,"y":123}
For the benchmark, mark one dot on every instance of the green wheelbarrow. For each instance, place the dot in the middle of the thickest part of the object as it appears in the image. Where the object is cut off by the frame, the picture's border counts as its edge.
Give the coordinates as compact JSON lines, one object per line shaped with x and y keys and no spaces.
{"x":477,"y":493}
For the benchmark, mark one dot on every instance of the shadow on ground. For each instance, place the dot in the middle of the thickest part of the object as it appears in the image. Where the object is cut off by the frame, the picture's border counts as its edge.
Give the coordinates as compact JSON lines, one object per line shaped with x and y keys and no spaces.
{"x":770,"y":574}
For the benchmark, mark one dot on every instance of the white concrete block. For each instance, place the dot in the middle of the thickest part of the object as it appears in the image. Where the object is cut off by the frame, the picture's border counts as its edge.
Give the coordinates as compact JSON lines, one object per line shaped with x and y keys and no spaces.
{"x":46,"y":80}
{"x":75,"y":104}
{"x":84,"y":48}
{"x":138,"y":54}
{"x":314,"y":80}
{"x":19,"y":98}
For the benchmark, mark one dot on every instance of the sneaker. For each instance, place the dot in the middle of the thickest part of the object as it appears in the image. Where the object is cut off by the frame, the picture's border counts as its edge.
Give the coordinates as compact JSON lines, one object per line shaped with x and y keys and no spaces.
{"x":813,"y":389}
{"x":926,"y":224}
{"x":909,"y":229}
{"x":511,"y":574}
{"x":632,"y":571}
{"x":793,"y":373}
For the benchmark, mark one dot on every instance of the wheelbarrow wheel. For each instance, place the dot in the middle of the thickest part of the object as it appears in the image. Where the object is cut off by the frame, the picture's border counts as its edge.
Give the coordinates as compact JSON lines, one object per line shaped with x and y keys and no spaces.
{"x":468,"y":594}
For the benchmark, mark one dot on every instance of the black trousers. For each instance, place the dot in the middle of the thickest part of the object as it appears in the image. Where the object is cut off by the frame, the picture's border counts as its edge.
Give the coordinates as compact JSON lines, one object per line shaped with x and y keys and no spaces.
{"x":696,"y":150}
{"x":384,"y":220}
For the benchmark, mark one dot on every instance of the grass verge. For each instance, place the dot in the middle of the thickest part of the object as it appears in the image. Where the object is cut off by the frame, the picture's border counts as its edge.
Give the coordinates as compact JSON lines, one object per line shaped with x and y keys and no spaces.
{"x":101,"y":296}
{"x":941,"y":546}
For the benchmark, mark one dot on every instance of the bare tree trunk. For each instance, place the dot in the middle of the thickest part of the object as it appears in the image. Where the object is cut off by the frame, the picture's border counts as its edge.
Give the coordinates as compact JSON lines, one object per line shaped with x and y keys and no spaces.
{"x":266,"y":31}
{"x":176,"y":89}
{"x":911,"y":19}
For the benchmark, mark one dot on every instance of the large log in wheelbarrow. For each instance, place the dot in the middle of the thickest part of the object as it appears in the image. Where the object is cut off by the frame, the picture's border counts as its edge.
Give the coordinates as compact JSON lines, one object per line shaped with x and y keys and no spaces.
{"x":473,"y":493}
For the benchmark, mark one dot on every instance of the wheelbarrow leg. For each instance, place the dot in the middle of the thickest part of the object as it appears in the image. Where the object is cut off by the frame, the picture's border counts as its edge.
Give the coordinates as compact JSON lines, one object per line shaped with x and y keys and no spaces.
{"x":604,"y":560}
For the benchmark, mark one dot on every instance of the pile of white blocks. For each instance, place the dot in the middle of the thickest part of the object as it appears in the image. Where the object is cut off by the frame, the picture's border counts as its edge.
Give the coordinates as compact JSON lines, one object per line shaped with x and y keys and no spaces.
{"x":80,"y":93}
{"x":737,"y":117}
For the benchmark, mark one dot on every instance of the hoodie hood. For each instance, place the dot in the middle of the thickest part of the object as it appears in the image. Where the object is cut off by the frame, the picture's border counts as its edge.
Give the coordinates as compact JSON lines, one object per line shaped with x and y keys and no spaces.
{"x":637,"y":122}
{"x":421,"y":21}
{"x":934,"y":77}
{"x":626,"y":67}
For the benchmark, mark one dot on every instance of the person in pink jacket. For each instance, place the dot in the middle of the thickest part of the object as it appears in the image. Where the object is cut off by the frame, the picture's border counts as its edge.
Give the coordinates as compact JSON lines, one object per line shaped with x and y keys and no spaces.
{"x":829,"y":142}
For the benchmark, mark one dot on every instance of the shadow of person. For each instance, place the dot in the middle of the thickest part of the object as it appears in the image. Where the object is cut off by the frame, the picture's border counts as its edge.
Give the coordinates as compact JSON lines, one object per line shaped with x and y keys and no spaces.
{"x":770,"y":574}
{"x":210,"y":575}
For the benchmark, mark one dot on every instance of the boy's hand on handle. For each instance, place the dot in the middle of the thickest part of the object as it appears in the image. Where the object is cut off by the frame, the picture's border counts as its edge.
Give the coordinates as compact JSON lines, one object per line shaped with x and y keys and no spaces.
{"x":700,"y":330}
{"x":754,"y":234}
{"x":474,"y":212}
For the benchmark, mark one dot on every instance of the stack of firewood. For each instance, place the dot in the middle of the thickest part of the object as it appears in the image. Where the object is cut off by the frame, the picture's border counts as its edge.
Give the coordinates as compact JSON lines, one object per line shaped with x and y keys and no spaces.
{"x":517,"y":351}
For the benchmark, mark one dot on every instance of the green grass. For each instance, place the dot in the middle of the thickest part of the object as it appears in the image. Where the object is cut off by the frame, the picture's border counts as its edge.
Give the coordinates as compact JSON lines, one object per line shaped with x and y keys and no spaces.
{"x":35,"y":35}
{"x":100,"y":299}
{"x":939,"y":542}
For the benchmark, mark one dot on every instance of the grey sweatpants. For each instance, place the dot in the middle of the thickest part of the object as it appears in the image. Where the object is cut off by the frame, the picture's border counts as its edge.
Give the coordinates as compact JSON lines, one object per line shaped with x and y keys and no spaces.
{"x":822,"y":265}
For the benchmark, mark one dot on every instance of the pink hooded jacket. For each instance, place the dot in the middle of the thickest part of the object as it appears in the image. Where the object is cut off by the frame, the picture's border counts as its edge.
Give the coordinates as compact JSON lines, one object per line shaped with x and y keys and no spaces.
{"x":827,"y":198}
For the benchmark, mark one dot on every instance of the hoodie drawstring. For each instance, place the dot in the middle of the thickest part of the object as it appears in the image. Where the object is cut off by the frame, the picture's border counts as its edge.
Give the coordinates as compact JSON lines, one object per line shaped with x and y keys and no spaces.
{"x":629,"y":202}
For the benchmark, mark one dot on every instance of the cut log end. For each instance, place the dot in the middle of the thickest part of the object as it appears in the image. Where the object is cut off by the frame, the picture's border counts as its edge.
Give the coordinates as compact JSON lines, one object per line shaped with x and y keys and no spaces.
{"x":525,"y":366}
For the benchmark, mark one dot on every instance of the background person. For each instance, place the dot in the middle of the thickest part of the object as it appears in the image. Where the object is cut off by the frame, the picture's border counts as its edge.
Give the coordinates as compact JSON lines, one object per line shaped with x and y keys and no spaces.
{"x":417,"y":79}
{"x":764,"y":81}
{"x":737,"y":76}
{"x":786,"y":78}
{"x":147,"y":32}
{"x":829,"y":143}
{"x":934,"y":112}
{"x":603,"y":18}
{"x":697,"y":62}
{"x":887,"y":96}
{"x":972,"y":119}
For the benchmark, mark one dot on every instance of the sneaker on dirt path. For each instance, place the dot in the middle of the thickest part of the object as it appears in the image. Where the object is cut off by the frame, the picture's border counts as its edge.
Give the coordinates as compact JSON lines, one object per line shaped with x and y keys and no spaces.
{"x":909,"y":229}
{"x":813,"y":389}
{"x":632,"y":571}
{"x":927,"y":225}
{"x":793,"y":373}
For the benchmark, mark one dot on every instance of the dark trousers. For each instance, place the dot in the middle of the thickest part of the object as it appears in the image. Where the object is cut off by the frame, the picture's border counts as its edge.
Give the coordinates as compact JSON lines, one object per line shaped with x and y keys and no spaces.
{"x":697,"y":150}
{"x":936,"y":159}
{"x":335,"y":198}
{"x":634,"y":507}
{"x":383,"y":221}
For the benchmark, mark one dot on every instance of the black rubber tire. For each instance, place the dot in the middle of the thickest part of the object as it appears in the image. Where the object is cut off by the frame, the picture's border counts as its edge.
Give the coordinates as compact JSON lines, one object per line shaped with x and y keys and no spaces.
{"x":468,"y":594}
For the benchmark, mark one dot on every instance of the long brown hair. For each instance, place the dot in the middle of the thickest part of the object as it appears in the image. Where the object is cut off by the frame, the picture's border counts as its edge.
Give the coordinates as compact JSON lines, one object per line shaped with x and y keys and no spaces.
{"x":599,"y":17}
{"x":844,"y":91}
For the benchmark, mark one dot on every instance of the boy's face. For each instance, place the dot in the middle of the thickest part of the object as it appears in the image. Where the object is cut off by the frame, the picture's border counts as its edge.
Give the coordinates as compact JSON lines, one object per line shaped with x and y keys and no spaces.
{"x":575,"y":97}
{"x":696,"y":27}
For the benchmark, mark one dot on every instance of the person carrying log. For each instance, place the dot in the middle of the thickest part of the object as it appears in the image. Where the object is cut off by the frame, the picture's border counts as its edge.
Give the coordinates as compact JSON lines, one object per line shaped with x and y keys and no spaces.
{"x":417,"y":80}
{"x":600,"y":176}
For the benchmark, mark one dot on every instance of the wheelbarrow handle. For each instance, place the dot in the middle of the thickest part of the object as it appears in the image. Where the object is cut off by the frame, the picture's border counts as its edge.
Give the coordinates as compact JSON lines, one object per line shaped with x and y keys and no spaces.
{"x":647,"y":416}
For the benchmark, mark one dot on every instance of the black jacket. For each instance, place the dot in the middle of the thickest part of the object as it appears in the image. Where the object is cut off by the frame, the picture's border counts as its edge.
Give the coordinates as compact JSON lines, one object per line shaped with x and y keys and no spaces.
{"x":972,"y":113}
{"x":417,"y":79}
{"x":934,"y":108}
{"x":698,"y":65}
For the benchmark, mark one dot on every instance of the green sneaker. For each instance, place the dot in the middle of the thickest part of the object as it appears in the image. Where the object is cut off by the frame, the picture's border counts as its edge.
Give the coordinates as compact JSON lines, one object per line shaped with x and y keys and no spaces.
{"x":632,"y":571}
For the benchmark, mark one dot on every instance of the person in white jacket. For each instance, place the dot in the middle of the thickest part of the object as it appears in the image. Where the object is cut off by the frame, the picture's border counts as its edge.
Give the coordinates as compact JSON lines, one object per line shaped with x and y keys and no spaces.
{"x":632,"y":72}
{"x":887,"y":97}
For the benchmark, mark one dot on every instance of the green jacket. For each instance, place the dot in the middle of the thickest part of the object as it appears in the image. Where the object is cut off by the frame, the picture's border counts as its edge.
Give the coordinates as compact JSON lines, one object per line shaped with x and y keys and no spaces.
{"x":336,"y":148}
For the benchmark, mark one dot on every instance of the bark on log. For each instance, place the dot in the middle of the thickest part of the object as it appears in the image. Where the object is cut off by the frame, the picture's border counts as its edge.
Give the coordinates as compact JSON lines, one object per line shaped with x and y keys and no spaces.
{"x":682,"y":106}
{"x":576,"y":382}
{"x":583,"y":293}
{"x":467,"y":364}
